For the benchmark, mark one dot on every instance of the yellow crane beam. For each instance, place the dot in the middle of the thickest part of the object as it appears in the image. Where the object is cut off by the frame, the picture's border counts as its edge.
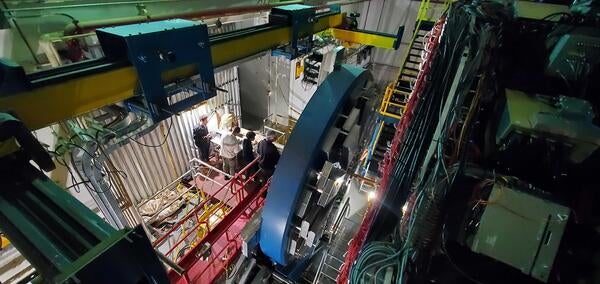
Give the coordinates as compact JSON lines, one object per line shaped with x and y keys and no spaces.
{"x":46,"y":105}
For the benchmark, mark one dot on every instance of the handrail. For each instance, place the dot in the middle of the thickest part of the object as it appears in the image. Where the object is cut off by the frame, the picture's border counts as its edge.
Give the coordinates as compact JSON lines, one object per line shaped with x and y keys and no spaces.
{"x":274,"y":114}
{"x":254,"y":199}
{"x":175,"y":181}
{"x":221,"y":205}
{"x":386,"y":102}
{"x":274,"y":129}
{"x":222,"y":231}
{"x":200,"y":205}
{"x":203,"y":163}
{"x":163,"y":188}
{"x":151,"y":219}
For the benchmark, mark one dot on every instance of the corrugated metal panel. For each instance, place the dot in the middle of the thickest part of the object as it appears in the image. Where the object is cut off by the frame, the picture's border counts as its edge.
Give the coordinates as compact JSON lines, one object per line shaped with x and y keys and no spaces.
{"x":155,"y":164}
{"x":224,"y":28}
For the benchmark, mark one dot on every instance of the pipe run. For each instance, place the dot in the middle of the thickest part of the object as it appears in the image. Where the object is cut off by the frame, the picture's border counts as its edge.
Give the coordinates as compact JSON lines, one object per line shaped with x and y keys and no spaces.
{"x":92,"y":25}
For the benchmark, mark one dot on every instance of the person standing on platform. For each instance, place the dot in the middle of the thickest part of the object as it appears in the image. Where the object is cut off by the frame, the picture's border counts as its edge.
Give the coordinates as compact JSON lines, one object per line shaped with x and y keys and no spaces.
{"x":248,"y":152}
{"x":269,"y":155}
{"x":202,"y":138}
{"x":230,"y":146}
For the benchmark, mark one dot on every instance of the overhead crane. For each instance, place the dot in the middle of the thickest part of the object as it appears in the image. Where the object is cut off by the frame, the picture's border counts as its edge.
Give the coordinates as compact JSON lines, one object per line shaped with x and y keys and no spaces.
{"x":72,"y":90}
{"x":63,"y":239}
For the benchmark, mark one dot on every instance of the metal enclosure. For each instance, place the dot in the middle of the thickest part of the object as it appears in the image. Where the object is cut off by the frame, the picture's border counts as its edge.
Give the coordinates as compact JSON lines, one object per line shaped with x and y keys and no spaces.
{"x":521,"y":230}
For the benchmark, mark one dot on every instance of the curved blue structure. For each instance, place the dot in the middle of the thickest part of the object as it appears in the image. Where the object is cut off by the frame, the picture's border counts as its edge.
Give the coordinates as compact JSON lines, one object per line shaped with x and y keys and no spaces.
{"x":302,"y":152}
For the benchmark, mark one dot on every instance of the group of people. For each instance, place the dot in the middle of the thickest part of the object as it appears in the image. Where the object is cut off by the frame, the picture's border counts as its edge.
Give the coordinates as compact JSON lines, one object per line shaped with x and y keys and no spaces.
{"x":237,"y":154}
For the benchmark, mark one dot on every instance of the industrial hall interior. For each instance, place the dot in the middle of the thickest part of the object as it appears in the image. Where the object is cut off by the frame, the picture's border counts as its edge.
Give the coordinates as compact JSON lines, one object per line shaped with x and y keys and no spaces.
{"x":299,"y":142}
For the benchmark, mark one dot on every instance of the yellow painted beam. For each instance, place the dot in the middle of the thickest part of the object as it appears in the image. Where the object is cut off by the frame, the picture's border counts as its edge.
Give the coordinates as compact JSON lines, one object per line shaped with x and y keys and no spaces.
{"x":240,"y":48}
{"x":4,"y":242}
{"x":46,"y":105}
{"x":376,"y":40}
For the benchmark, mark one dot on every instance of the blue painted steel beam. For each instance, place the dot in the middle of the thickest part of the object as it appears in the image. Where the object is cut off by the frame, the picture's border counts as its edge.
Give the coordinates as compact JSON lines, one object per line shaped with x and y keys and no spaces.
{"x":302,"y":152}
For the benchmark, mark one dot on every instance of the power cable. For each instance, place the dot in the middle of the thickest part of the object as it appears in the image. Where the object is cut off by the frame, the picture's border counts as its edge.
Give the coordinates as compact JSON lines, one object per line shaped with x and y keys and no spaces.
{"x":155,"y":146}
{"x":76,"y":184}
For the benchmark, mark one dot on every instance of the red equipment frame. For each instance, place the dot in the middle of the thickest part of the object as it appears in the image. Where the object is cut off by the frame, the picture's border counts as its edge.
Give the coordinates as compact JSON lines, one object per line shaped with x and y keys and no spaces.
{"x":242,"y":198}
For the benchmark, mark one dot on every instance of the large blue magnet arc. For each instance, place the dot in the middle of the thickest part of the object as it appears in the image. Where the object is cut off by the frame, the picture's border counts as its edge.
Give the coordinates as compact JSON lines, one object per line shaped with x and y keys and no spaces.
{"x":299,"y":156}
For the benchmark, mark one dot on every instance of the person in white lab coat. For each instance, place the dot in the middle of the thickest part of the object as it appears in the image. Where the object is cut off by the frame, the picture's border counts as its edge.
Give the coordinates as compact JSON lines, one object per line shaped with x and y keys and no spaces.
{"x":230,"y":147}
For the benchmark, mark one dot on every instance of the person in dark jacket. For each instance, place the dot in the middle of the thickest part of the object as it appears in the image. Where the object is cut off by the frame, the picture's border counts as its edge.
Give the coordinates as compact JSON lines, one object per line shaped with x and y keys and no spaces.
{"x":202,"y":138}
{"x":248,"y":152}
{"x":269,"y":155}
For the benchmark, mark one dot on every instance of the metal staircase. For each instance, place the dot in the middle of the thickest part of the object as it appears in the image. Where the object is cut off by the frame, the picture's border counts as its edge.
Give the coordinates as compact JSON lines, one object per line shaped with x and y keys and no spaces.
{"x":397,"y":93}
{"x":396,"y":96}
{"x":341,"y":233}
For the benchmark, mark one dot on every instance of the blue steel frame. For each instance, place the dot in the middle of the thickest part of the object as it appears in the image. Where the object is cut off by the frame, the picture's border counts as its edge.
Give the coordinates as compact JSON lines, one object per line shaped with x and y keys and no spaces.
{"x":301,"y":154}
{"x":300,"y":17}
{"x":157,"y":47}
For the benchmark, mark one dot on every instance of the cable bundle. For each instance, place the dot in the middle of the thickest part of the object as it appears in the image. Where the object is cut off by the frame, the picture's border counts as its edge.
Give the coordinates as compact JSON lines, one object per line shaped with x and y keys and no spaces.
{"x":358,"y":241}
{"x":424,"y":130}
{"x":376,"y":260}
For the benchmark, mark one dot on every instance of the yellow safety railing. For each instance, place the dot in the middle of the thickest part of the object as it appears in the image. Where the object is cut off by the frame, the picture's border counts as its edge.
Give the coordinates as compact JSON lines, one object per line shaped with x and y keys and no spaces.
{"x":387,"y":104}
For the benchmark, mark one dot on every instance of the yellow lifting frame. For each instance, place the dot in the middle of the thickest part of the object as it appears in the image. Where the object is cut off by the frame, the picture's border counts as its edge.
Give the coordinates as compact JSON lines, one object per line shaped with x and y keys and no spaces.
{"x":366,"y":38}
{"x":46,"y":105}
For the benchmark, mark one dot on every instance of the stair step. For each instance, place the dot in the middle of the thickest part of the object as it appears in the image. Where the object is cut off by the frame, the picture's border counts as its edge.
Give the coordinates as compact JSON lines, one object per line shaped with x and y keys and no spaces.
{"x":383,"y":147}
{"x":414,"y":58}
{"x":377,"y":157}
{"x":387,"y":134}
{"x":412,"y":64}
{"x":404,"y":84}
{"x":407,"y":90}
{"x":404,"y":89}
{"x":414,"y":52}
